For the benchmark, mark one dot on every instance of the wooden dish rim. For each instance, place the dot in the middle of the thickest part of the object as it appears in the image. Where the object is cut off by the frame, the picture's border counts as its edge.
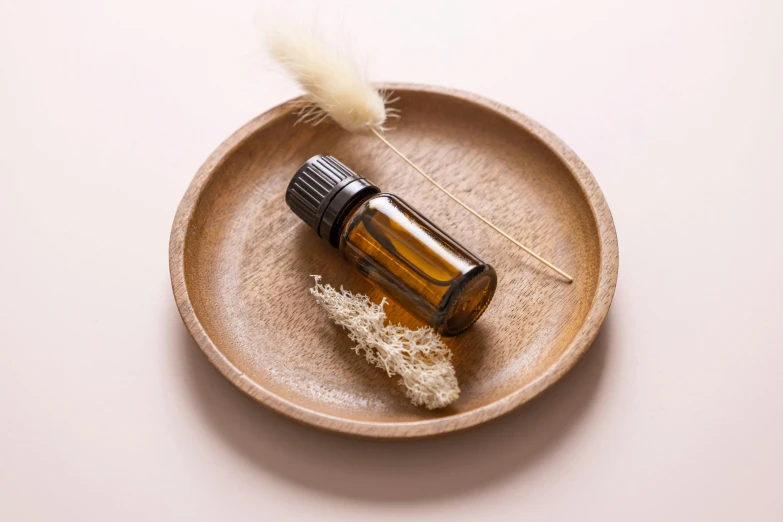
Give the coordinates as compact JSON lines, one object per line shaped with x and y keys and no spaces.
{"x":607,"y":281}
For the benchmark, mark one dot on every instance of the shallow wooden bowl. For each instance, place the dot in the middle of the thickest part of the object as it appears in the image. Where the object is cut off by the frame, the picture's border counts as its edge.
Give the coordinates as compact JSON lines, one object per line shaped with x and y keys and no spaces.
{"x":241,"y":262}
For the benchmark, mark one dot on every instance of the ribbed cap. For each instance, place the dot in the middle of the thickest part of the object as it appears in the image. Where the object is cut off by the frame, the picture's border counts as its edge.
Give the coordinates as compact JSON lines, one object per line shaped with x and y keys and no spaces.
{"x":322,"y":192}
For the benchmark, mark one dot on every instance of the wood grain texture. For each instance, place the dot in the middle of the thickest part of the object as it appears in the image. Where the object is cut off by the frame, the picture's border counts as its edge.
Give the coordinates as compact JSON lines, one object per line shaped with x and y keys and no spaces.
{"x":240,"y":262}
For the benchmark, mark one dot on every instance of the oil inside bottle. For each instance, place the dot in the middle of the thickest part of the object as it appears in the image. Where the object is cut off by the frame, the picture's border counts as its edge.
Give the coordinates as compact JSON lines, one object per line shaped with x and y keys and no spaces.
{"x":417,"y":263}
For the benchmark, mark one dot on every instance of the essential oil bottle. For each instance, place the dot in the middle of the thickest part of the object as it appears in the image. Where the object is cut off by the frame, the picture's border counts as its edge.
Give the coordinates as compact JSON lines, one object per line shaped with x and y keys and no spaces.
{"x":413,"y":261}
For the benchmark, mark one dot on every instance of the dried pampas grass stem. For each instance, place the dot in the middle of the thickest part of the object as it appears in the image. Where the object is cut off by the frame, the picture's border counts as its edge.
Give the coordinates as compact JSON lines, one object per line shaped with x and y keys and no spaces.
{"x":419,"y":357}
{"x":469,"y":209}
{"x":338,"y":89}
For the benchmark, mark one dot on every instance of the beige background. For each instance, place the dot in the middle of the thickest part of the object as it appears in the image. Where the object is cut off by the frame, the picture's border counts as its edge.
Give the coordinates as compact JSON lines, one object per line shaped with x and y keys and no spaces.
{"x":110,"y":412}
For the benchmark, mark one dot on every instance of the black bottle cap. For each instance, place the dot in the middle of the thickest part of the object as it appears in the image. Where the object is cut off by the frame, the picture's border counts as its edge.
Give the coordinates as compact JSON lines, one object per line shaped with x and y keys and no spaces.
{"x":323,"y":191}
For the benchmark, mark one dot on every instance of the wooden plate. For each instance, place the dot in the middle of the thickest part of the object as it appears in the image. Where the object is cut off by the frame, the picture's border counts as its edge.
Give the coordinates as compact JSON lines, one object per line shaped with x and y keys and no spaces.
{"x":241,"y":262}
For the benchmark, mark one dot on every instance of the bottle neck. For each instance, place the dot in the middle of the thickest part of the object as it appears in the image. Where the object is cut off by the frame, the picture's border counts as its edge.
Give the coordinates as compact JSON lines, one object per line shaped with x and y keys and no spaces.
{"x":343,"y":206}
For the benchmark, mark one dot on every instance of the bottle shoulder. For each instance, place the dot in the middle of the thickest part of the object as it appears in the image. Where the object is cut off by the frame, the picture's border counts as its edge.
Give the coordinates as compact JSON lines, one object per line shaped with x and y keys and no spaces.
{"x":366,"y":205}
{"x":380,"y":198}
{"x":371,"y":204}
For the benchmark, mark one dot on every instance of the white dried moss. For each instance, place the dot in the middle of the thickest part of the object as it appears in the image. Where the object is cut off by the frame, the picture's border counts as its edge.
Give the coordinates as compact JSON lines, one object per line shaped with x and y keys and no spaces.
{"x":419,"y":357}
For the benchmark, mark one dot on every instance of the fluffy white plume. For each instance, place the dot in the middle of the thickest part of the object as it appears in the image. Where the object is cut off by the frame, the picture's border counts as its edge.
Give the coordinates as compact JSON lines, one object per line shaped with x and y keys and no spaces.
{"x":337,"y":88}
{"x":419,"y":357}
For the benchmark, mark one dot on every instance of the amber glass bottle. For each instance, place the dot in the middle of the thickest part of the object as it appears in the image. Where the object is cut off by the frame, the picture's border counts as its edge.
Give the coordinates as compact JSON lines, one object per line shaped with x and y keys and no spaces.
{"x":417,"y":264}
